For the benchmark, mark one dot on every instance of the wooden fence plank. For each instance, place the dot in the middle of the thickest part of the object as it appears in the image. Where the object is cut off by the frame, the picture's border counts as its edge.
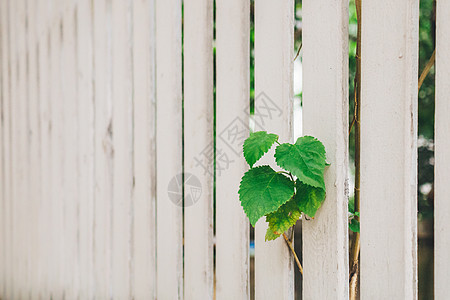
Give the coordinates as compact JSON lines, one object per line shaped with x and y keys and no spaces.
{"x":70,"y":137}
{"x":169,"y":252}
{"x":6,"y":153}
{"x":3,"y":205}
{"x":144,"y":231}
{"x":325,"y":107}
{"x":21,"y":147}
{"x":57,"y":213}
{"x":274,"y":24}
{"x":233,"y":91}
{"x":13,"y":94}
{"x":388,"y":149}
{"x":198,"y":148}
{"x":34,"y":140}
{"x":85,"y":166}
{"x":441,"y":154}
{"x":103,"y":136}
{"x":45,"y":154}
{"x":123,"y":149}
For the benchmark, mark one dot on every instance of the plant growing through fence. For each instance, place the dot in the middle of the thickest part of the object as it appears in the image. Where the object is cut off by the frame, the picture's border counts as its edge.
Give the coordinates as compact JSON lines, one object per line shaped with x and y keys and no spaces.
{"x":282,"y":196}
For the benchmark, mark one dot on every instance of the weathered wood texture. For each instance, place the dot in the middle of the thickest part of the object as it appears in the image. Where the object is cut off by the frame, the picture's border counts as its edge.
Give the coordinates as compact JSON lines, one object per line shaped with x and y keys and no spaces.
{"x":77,"y":98}
{"x":274,"y":44}
{"x":99,"y":129}
{"x":325,"y":107}
{"x":232,"y":119}
{"x":389,"y":149}
{"x":198,"y":148}
{"x":144,"y":160}
{"x":169,"y":151}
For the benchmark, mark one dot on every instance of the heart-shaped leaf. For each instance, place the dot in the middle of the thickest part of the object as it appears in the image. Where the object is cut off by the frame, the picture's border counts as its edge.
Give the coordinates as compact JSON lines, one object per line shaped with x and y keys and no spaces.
{"x":309,"y":198}
{"x":262,"y":191}
{"x":305,"y":159}
{"x":257,"y":144}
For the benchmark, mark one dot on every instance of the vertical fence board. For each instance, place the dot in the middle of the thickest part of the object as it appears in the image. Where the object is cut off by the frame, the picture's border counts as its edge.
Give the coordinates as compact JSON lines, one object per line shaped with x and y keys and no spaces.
{"x":441,"y":154}
{"x":70,"y":154}
{"x":13,"y":109}
{"x":325,"y":107}
{"x":34,"y":199}
{"x":41,"y":247}
{"x":123,"y":148}
{"x":388,"y":149}
{"x":3,"y":205}
{"x":14,"y":137}
{"x":45,"y":155}
{"x":144,"y":233}
{"x":169,"y":252}
{"x":233,"y":91}
{"x":103,"y":148}
{"x":6,"y":154}
{"x":274,"y":24}
{"x":85,"y":147}
{"x":21,"y":174}
{"x":198,"y":148}
{"x":57,"y":213}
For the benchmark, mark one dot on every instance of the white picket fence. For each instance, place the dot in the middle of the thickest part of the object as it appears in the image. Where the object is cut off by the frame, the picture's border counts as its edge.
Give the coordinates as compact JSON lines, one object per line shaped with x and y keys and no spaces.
{"x":92,"y":147}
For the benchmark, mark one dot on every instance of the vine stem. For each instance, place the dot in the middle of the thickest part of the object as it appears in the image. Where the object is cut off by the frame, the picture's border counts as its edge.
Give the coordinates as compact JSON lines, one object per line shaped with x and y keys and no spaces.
{"x":354,"y":254}
{"x":288,"y":242}
{"x":427,"y":68}
{"x":298,"y":52}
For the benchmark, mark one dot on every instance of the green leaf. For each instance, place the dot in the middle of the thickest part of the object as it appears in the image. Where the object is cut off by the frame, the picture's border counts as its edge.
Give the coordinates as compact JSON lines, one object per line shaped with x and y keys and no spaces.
{"x":257,"y":144}
{"x":357,"y":213}
{"x":309,"y":198}
{"x":304,"y":159}
{"x":270,"y":235}
{"x":262,"y":191}
{"x":282,"y":219}
{"x":351,"y":204}
{"x":354,"y":225}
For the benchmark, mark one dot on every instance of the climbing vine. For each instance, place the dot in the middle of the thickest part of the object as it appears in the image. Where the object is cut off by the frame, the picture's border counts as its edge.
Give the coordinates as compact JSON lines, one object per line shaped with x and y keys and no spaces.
{"x":283,"y":196}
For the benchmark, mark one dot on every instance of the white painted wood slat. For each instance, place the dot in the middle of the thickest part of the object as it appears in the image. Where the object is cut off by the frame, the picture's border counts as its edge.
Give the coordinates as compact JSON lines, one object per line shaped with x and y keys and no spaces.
{"x":144,"y":231}
{"x":21,"y":183}
{"x":57,"y":131}
{"x":6,"y":147}
{"x":122,"y":131}
{"x":389,"y":149}
{"x":70,"y":192}
{"x":441,"y":153}
{"x":198,"y":148}
{"x":169,"y":252}
{"x":33,"y":116}
{"x":103,"y":148}
{"x":233,"y":91}
{"x":13,"y":111}
{"x":325,"y":107}
{"x":274,"y":44}
{"x":85,"y":107}
{"x":3,"y":145}
{"x":45,"y":152}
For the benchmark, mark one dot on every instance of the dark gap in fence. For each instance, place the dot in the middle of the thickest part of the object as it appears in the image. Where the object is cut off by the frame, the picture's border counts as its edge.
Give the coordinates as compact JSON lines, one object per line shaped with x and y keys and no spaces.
{"x":215,"y":143}
{"x":250,"y":120}
{"x":182,"y":136}
{"x":298,"y":278}
{"x":425,"y":152}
